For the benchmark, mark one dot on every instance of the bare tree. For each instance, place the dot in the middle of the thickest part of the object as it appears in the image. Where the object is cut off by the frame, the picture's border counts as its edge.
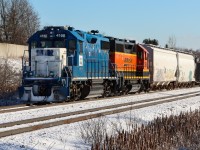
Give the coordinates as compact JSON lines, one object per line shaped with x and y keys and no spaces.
{"x":151,"y":41}
{"x":18,"y":21}
{"x":10,"y":79}
{"x":172,"y":42}
{"x":3,"y":20}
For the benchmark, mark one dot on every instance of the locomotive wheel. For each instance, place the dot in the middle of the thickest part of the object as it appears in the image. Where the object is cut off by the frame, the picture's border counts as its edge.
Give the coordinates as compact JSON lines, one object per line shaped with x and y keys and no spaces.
{"x":128,"y":87}
{"x":107,"y":91}
{"x":168,"y":87}
{"x":171,"y":86}
{"x":146,"y":90}
{"x":124,"y":91}
{"x":77,"y":94}
{"x":85,"y":90}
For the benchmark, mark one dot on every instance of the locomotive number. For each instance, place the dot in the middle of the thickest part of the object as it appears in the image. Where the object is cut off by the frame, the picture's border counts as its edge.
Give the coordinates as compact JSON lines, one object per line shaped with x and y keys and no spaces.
{"x":128,"y":60}
{"x":43,"y":35}
{"x":60,"y":35}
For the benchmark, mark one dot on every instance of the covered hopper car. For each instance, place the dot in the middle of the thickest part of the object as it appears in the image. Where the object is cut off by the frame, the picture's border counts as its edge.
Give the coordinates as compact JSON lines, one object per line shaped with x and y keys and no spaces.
{"x":170,"y":68}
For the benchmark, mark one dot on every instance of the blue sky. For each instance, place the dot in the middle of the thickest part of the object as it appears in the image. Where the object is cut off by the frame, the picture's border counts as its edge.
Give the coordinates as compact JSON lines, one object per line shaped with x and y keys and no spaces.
{"x":130,"y":19}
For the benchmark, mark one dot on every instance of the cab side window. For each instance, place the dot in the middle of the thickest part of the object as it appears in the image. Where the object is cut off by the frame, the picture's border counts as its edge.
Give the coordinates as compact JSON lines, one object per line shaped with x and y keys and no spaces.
{"x":119,"y":47}
{"x":128,"y":49}
{"x":71,"y":47}
{"x":105,"y":45}
{"x":81,"y":47}
{"x":34,"y":44}
{"x":140,"y":54}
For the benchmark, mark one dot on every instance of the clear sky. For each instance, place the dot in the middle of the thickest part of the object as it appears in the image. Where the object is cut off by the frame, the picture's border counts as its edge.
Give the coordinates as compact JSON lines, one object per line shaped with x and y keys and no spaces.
{"x":131,"y":19}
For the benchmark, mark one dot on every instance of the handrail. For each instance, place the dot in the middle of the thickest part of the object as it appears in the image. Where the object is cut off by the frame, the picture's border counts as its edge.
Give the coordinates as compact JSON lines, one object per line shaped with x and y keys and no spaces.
{"x":113,"y":65}
{"x":72,"y":64}
{"x":67,"y":76}
{"x":23,"y":58}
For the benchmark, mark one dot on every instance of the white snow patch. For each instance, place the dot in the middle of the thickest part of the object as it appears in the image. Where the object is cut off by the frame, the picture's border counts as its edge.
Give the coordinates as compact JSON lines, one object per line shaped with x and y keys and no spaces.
{"x":68,"y":136}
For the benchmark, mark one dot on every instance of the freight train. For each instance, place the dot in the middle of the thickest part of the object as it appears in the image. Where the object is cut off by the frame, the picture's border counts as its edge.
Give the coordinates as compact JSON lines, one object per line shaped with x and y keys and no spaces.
{"x":68,"y":64}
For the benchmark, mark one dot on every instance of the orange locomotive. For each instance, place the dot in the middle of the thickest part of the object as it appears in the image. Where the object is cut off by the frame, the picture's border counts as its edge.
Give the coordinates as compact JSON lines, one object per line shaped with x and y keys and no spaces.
{"x":131,"y":63}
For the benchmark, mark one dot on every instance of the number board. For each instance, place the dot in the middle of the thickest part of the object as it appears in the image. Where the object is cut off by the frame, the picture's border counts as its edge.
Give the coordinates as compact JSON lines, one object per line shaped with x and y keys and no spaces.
{"x":53,"y":35}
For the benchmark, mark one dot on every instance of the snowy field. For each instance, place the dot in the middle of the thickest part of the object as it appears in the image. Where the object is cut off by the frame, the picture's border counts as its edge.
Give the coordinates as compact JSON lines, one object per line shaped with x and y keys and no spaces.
{"x":69,"y":137}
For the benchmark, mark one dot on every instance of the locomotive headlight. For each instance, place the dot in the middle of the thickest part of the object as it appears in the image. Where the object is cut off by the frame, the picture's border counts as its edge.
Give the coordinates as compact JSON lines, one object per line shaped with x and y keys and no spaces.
{"x":30,"y":73}
{"x":57,"y":57}
{"x":51,"y":74}
{"x":33,"y":58}
{"x":24,"y":73}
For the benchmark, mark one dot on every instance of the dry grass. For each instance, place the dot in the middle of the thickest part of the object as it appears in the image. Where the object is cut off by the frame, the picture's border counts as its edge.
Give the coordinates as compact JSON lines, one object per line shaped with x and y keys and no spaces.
{"x":167,"y":133}
{"x":93,"y":131}
{"x":9,"y":79}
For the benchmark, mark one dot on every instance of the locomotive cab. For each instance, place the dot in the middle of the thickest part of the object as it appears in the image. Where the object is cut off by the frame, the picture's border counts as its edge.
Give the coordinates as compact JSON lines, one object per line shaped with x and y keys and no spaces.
{"x":142,"y":61}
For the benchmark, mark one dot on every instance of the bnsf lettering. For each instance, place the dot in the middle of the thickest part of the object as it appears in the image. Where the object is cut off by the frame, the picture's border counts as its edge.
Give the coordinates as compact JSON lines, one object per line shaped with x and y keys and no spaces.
{"x":129,"y":60}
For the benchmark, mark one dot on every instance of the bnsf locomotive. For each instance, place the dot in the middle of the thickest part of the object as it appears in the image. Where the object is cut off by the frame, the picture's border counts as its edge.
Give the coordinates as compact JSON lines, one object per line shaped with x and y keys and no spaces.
{"x":67,"y":64}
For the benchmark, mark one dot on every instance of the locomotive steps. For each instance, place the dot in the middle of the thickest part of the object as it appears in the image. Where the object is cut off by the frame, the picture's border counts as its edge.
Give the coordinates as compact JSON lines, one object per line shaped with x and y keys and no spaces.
{"x":28,"y":125}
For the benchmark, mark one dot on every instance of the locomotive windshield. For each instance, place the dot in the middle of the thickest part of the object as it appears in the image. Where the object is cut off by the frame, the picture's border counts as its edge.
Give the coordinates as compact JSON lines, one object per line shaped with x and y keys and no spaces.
{"x":105,"y":45}
{"x":49,"y":38}
{"x":46,"y":44}
{"x":44,"y":53}
{"x":49,"y":44}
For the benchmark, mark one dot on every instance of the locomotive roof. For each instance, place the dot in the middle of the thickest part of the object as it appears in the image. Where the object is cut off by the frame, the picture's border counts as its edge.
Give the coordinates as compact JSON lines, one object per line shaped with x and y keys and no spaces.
{"x":121,"y":41}
{"x":55,"y":29}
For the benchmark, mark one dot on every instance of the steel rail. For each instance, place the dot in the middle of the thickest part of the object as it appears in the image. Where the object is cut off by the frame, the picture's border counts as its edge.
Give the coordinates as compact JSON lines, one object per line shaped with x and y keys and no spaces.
{"x":7,"y":109}
{"x":9,"y":124}
{"x":143,"y":104}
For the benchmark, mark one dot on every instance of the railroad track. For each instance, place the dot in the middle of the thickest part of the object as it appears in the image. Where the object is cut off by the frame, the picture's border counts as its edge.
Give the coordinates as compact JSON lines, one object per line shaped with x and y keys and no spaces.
{"x":21,"y":107}
{"x":6,"y":129}
{"x":15,"y":108}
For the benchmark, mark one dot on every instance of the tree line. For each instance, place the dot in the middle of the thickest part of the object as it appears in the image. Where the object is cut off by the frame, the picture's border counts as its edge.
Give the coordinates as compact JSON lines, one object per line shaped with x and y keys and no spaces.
{"x":151,"y":41}
{"x":18,"y":21}
{"x":170,"y":44}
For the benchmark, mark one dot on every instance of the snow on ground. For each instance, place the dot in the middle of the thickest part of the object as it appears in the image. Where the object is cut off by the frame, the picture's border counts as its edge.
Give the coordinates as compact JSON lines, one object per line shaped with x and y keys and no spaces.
{"x":68,"y":136}
{"x":34,"y":113}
